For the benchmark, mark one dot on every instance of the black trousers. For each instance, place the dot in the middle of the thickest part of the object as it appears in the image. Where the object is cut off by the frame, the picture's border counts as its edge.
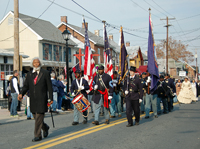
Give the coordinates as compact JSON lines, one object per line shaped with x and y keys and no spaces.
{"x":132,"y":105}
{"x":39,"y":124}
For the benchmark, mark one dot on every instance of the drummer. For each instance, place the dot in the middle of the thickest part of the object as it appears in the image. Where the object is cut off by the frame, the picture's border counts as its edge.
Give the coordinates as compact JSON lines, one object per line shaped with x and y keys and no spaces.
{"x":79,"y":86}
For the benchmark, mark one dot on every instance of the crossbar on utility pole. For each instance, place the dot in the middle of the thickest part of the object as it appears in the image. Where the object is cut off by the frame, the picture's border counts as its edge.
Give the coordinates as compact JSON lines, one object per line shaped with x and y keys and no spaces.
{"x":16,"y":36}
{"x":167,"y":41}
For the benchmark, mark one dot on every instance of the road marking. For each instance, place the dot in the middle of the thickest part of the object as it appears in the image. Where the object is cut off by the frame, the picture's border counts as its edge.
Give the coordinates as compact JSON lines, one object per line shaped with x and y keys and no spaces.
{"x":80,"y":135}
{"x":77,"y":134}
{"x":65,"y":136}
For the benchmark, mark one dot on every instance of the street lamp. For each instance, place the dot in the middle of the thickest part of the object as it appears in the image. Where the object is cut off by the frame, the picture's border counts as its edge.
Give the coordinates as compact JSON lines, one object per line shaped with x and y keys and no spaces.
{"x":66,"y":35}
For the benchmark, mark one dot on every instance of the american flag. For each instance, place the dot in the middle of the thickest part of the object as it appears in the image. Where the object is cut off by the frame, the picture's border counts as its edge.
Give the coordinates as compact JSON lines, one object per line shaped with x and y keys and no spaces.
{"x":76,"y":67}
{"x":89,"y":66}
{"x":107,"y":55}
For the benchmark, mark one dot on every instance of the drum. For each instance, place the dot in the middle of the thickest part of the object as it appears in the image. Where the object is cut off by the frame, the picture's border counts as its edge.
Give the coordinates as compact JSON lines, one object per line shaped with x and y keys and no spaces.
{"x":81,"y":103}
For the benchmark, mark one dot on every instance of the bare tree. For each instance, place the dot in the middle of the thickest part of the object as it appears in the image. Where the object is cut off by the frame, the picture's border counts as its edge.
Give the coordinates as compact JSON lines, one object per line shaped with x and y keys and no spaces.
{"x":177,"y":50}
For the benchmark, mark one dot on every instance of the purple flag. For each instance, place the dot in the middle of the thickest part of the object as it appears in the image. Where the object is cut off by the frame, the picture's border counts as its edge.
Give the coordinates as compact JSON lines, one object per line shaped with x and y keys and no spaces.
{"x":152,"y":63}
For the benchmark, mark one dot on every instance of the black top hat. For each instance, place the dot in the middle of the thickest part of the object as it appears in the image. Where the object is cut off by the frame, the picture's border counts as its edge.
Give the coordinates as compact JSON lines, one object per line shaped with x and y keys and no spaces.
{"x":115,"y":72}
{"x":101,"y":67}
{"x":132,"y":68}
{"x":144,"y":73}
{"x":78,"y":71}
{"x":162,"y":77}
{"x":167,"y":75}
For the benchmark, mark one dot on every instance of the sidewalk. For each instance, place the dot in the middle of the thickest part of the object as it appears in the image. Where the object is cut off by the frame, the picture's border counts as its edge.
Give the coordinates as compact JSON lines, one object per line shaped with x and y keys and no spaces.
{"x":5,"y":115}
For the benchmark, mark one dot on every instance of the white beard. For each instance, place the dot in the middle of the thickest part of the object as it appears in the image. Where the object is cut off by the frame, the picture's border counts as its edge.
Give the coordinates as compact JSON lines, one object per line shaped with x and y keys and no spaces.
{"x":36,"y":69}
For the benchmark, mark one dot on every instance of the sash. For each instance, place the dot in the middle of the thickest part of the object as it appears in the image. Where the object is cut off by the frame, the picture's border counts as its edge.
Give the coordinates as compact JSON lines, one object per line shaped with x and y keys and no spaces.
{"x":105,"y":101}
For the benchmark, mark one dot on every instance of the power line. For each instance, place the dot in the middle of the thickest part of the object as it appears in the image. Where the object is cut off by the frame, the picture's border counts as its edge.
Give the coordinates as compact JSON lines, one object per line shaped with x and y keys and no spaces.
{"x":31,"y":23}
{"x":162,"y":8}
{"x":154,"y":7}
{"x":6,"y":8}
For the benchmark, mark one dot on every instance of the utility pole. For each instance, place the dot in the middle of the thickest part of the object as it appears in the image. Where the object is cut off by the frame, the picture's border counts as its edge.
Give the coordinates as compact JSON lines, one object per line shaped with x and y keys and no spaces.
{"x":16,"y":36}
{"x":167,"y":41}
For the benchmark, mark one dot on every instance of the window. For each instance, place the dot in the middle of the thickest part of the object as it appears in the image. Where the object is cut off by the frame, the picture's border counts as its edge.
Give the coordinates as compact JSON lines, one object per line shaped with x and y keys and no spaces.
{"x":57,"y":56}
{"x":99,"y":55}
{"x":10,"y":21}
{"x":47,"y":51}
{"x":69,"y":54}
{"x":7,"y":69}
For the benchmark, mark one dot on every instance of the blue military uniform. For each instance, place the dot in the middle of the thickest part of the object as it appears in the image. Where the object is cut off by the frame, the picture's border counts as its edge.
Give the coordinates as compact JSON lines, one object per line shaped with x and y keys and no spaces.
{"x":171,"y":85}
{"x":135,"y":92}
{"x":75,"y":89}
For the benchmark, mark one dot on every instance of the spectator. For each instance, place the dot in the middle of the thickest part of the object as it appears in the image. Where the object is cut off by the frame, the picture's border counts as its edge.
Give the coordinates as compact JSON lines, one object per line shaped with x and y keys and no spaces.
{"x":14,"y":86}
{"x":55,"y":87}
{"x":8,"y":93}
{"x":61,"y":93}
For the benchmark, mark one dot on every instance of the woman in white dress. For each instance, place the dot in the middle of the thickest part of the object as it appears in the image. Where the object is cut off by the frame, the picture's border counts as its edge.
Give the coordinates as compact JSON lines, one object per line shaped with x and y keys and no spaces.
{"x":186,"y":95}
{"x":194,"y":88}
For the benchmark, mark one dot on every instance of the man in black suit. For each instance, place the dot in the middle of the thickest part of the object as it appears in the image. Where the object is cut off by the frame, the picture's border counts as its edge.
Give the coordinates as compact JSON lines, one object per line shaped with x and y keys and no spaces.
{"x":171,"y":85}
{"x":38,"y":82}
{"x":134,"y":95}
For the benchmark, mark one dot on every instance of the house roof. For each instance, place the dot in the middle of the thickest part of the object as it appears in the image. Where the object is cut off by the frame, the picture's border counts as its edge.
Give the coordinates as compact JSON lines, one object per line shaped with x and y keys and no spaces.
{"x":44,"y":29}
{"x":10,"y":52}
{"x":97,"y":40}
{"x":133,"y":51}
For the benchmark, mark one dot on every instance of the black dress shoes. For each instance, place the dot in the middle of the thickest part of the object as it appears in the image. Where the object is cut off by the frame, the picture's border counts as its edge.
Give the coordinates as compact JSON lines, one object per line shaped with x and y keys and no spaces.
{"x":46,"y":132}
{"x":84,"y":121}
{"x":129,"y":125}
{"x":36,"y":139}
{"x":107,"y":122}
{"x":136,"y":123}
{"x":146,"y":117}
{"x":95,"y":122}
{"x":75,"y":123}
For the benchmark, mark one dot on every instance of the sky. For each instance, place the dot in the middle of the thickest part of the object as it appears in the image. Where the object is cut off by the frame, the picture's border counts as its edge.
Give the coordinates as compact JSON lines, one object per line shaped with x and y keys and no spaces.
{"x":132,"y":15}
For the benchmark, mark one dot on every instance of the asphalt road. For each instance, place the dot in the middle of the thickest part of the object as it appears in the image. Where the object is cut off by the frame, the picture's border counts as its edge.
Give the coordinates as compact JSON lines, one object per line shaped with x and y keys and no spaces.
{"x":179,"y":129}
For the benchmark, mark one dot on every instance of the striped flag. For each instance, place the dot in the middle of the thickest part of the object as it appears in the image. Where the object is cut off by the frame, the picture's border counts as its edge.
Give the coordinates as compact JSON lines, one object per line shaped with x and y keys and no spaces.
{"x":76,"y":67}
{"x":89,"y":66}
{"x":107,"y":55}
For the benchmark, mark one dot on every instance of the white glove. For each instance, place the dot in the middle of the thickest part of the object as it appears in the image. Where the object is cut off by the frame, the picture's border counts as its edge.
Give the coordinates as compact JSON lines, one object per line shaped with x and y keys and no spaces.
{"x":149,"y":79}
{"x":174,"y":94}
{"x":114,"y":85}
{"x":109,"y":97}
{"x":73,"y":94}
{"x":126,"y":92}
{"x":140,"y":100}
{"x":81,"y":88}
{"x":95,"y":87}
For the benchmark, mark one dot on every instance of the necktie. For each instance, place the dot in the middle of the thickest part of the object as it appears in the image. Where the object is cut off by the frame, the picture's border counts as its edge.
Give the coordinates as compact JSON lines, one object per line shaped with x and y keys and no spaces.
{"x":35,"y":76}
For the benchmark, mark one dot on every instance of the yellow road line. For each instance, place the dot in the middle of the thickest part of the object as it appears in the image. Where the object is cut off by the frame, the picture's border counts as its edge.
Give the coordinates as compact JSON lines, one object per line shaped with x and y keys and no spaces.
{"x":103,"y":126}
{"x":65,"y":136}
{"x":80,"y":135}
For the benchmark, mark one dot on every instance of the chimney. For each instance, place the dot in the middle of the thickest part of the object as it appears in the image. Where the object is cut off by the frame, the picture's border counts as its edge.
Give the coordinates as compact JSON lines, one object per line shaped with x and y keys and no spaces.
{"x":127,"y":44}
{"x":146,"y":53}
{"x":96,"y":32}
{"x":86,"y":24}
{"x":111,"y":37}
{"x":64,"y":19}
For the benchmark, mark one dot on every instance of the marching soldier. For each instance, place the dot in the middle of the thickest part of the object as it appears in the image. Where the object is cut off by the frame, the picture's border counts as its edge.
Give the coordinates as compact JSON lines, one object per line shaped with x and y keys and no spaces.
{"x":162,"y":95}
{"x":172,"y":89}
{"x":134,"y":94}
{"x":116,"y":100}
{"x":143,"y":81}
{"x":79,"y":85}
{"x":103,"y":91}
{"x":151,"y":99}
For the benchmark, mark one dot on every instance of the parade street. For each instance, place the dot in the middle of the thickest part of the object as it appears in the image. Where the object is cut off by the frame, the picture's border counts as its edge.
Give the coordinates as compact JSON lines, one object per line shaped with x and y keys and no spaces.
{"x":177,"y":130}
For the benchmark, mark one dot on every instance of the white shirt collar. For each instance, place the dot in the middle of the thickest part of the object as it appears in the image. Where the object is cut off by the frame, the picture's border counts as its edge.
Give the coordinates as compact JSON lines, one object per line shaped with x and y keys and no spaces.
{"x":132,"y":77}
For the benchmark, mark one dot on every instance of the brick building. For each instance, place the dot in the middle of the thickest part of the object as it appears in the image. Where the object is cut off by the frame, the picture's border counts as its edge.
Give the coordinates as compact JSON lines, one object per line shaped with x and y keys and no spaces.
{"x":96,"y":42}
